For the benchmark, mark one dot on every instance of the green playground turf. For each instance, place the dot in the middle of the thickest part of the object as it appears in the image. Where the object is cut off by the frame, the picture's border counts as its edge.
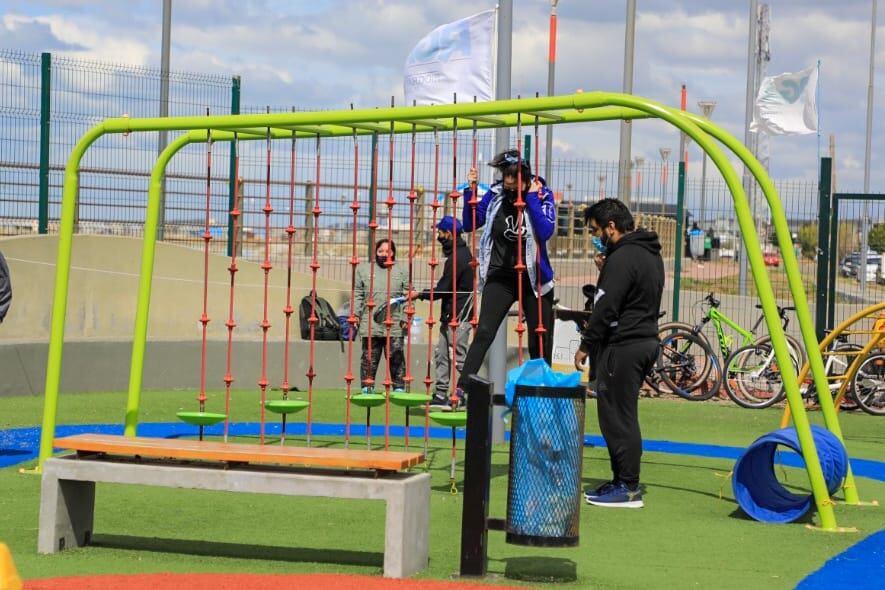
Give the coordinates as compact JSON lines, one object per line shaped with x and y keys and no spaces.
{"x":686,"y":536}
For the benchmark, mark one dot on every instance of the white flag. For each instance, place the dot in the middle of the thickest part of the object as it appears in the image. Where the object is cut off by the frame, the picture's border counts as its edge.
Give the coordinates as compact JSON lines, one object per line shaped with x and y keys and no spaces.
{"x":456,"y":57}
{"x":786,"y":105}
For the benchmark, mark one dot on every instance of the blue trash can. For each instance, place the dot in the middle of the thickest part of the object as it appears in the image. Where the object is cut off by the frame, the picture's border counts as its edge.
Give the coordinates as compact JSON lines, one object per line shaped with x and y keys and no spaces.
{"x":546,"y":461}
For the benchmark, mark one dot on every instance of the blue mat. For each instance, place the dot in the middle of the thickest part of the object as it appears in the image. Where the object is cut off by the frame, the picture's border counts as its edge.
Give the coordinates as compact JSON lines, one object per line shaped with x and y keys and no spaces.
{"x":860,"y":566}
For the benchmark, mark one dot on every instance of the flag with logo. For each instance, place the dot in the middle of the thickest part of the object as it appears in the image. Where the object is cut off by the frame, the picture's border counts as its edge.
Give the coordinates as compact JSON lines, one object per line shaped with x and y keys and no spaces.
{"x":452,"y":58}
{"x":786,"y":104}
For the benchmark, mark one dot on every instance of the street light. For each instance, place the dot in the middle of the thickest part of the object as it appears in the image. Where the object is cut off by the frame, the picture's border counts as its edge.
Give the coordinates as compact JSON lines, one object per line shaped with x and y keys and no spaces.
{"x":665,"y":157}
{"x":707,"y":107}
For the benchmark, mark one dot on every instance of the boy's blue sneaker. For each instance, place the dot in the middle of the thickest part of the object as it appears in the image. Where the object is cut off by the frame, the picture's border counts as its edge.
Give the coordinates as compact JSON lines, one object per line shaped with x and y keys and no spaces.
{"x":599,"y":490}
{"x":618,"y":496}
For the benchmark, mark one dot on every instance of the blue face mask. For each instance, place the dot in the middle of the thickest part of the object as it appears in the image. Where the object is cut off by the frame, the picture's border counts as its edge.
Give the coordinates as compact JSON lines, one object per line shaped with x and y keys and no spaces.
{"x":597,"y":243}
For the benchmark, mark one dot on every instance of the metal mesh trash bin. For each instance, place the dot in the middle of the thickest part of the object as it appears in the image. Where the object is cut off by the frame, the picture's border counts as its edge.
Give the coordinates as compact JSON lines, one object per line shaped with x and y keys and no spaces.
{"x":546,"y":457}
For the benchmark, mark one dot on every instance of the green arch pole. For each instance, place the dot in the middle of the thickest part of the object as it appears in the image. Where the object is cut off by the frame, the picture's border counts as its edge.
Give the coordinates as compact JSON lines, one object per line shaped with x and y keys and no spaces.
{"x":60,"y":297}
{"x":797,"y":290}
{"x":405,"y":119}
{"x":148,"y":251}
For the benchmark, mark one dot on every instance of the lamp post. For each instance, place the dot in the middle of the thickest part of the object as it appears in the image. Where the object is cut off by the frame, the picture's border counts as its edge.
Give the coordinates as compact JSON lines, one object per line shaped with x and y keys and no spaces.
{"x":707,"y":107}
{"x":665,"y":156}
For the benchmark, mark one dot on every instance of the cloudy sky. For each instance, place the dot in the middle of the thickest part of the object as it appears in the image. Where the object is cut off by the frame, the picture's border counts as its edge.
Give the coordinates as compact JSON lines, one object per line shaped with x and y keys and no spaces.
{"x":329,"y":53}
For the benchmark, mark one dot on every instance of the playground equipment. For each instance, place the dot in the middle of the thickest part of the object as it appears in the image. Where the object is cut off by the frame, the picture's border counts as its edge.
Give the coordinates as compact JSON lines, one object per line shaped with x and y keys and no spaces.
{"x":592,"y":106}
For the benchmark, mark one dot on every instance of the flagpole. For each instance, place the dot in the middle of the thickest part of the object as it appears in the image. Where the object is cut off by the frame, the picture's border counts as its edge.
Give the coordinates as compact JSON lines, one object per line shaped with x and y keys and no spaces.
{"x":551,"y":70}
{"x":865,"y":216}
{"x":626,"y":126}
{"x":752,"y":51}
{"x":497,"y":356}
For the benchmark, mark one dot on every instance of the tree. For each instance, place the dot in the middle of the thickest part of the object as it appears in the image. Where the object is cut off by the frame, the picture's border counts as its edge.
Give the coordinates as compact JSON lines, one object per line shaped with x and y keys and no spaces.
{"x":808,"y":240}
{"x":876,"y":237}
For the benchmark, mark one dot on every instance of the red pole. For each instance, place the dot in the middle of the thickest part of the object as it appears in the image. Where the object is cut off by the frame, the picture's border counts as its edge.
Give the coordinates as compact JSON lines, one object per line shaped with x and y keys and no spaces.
{"x":265,"y":266}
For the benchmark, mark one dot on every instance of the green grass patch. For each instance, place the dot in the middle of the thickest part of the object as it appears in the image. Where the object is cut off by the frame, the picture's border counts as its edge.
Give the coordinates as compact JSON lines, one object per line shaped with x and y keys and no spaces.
{"x":690,"y":534}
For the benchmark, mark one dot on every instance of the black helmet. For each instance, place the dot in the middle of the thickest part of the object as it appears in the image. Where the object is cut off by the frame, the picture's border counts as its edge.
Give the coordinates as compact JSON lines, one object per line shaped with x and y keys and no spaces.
{"x":509,"y":163}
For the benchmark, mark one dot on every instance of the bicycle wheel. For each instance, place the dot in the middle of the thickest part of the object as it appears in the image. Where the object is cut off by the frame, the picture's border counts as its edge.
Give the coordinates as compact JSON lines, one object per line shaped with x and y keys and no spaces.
{"x":837,"y":365}
{"x":752,"y":377}
{"x":869,"y":385}
{"x":653,"y":378}
{"x":684,"y":364}
{"x":795,"y":347}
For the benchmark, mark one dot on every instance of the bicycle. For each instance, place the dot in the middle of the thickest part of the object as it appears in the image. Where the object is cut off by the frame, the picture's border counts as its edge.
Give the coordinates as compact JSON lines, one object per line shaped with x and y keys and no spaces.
{"x":754,"y":381}
{"x":684,"y":338}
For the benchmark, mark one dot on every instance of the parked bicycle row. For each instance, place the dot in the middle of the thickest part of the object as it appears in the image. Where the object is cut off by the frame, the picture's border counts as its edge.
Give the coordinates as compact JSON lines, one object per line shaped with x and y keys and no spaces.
{"x":690,"y":366}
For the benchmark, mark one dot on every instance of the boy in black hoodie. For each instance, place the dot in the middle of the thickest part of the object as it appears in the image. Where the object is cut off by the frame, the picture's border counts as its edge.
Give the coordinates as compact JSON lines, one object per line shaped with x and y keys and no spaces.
{"x":455,"y":250}
{"x":621,"y":342}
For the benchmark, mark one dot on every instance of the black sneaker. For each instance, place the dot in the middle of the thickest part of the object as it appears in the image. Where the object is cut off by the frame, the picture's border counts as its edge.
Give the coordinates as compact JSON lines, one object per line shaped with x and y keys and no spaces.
{"x":440,"y":402}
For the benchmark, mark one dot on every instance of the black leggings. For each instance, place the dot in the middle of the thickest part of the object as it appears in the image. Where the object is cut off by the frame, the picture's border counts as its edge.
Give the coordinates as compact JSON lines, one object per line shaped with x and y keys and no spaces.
{"x":497,"y":297}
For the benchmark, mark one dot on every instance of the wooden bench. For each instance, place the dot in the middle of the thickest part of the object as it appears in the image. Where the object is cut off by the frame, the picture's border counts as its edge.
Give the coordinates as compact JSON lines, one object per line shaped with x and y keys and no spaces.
{"x":67,"y":499}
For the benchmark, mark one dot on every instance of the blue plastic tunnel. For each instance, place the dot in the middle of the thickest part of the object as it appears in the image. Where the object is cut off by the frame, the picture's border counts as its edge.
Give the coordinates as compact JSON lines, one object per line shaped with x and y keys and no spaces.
{"x":761,"y":495}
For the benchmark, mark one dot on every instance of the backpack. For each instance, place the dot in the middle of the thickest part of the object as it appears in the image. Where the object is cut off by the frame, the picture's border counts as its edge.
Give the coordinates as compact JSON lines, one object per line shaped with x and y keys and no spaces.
{"x":327,"y":326}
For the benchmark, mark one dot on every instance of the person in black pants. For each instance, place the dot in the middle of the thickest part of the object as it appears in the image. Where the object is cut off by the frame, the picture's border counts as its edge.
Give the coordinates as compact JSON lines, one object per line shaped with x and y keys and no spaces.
{"x":621,"y":342}
{"x":456,"y":302}
{"x":498,"y":256}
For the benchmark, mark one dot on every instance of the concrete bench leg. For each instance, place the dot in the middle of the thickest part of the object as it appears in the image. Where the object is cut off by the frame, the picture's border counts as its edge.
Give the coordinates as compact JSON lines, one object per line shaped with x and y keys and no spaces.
{"x":407,"y":522}
{"x":66,"y":511}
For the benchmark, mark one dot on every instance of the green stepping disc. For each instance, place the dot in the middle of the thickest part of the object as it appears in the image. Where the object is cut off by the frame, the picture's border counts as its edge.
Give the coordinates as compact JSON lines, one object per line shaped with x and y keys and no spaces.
{"x":200,"y":418}
{"x":368,"y":400}
{"x":409,"y":400}
{"x":285,"y":406}
{"x":453,"y":419}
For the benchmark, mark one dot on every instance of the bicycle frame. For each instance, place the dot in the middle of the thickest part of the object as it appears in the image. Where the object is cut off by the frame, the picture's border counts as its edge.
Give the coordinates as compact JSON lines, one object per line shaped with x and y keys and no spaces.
{"x":718,"y":318}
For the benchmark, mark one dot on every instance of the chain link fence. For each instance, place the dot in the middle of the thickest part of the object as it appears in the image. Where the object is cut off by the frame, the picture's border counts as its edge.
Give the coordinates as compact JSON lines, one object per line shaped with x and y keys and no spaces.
{"x":63,"y":98}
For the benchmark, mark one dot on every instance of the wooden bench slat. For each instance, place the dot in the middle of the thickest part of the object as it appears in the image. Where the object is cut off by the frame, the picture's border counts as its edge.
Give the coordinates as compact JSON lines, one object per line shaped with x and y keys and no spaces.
{"x":242,"y":453}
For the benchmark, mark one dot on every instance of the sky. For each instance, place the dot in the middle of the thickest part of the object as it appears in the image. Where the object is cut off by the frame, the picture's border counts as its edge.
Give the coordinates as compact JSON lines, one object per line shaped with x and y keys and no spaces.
{"x":329,"y":53}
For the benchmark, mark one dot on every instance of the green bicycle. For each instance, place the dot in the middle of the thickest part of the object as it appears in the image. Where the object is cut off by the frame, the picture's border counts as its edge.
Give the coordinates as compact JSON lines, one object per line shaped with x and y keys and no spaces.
{"x":684,"y":346}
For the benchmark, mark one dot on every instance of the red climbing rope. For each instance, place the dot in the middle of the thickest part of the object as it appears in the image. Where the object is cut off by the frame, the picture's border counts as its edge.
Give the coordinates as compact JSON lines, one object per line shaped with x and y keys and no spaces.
{"x":207,"y":237}
{"x":410,"y":307}
{"x":434,"y":205}
{"x":540,"y":330}
{"x":232,"y":269}
{"x":265,"y":266}
{"x":351,"y":318}
{"x":520,"y":221}
{"x":388,"y":321}
{"x":314,"y":267}
{"x":453,"y":322}
{"x":290,"y":235}
{"x":473,"y":202}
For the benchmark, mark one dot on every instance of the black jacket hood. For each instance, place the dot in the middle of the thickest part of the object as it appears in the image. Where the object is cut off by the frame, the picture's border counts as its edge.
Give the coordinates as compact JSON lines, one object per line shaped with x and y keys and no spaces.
{"x":641,"y":238}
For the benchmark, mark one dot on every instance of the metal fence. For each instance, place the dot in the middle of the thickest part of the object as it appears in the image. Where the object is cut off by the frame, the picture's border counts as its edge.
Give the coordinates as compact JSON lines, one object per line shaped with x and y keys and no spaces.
{"x":48,"y":102}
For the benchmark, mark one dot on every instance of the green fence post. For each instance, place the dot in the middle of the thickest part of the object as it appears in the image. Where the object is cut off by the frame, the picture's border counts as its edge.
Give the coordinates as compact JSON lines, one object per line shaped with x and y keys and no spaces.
{"x":834,"y":256}
{"x":823,"y":247}
{"x":45,"y":107}
{"x":232,"y":180}
{"x":678,"y":240}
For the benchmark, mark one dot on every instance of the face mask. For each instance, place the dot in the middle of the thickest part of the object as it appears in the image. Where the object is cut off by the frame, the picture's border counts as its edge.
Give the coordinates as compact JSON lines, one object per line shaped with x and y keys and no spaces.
{"x":599,"y":245}
{"x":442,"y":240}
{"x":381,"y":260}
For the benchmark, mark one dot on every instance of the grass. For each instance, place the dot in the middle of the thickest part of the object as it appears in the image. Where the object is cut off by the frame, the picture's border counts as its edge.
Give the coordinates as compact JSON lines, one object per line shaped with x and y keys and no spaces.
{"x":686,"y":536}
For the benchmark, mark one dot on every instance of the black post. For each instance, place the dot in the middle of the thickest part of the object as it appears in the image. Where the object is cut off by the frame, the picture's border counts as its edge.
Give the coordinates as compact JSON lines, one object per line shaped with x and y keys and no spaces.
{"x":477,"y":475}
{"x":833,"y":261}
{"x":823,"y":246}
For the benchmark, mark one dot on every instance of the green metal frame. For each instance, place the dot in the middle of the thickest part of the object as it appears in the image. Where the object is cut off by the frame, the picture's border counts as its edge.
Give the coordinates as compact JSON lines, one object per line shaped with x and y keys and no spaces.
{"x":592,"y":106}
